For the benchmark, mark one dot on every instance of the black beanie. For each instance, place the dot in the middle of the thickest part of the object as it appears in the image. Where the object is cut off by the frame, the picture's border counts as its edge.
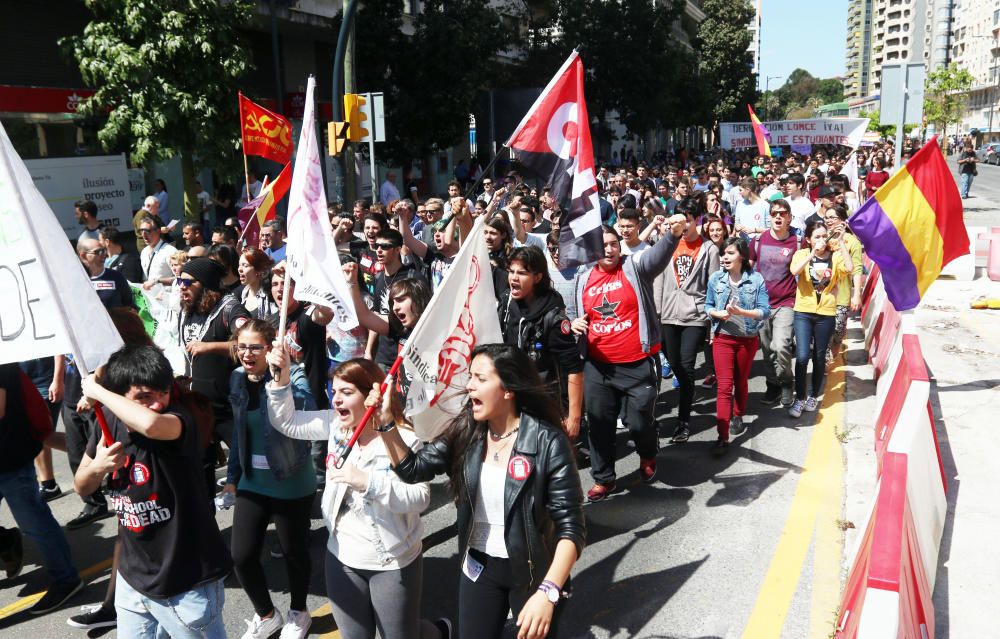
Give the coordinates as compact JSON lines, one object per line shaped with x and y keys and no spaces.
{"x":206,"y":270}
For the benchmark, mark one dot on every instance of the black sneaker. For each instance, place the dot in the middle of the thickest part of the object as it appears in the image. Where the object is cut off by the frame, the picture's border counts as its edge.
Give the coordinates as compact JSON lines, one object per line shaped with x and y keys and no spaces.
{"x":89,"y":514}
{"x":48,"y":494}
{"x":12,"y":556}
{"x":719,"y":448}
{"x":444,"y":627}
{"x":56,"y":596}
{"x":98,"y":616}
{"x":681,"y":433}
{"x":736,"y":426}
{"x":772,"y":395}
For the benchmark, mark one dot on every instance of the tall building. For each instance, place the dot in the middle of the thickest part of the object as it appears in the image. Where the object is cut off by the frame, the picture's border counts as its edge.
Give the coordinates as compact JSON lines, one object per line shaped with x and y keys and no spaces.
{"x":859,"y":48}
{"x":754,"y":48}
{"x":976,"y":48}
{"x":897,"y":35}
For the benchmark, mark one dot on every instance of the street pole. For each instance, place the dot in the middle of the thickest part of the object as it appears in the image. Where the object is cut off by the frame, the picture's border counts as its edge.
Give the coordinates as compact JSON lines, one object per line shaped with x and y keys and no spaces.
{"x":350,"y":150}
{"x":767,"y":87}
{"x":346,"y":34}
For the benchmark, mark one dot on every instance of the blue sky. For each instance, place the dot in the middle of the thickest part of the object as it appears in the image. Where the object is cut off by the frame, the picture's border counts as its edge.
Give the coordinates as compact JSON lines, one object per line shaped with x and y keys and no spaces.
{"x":807,"y":34}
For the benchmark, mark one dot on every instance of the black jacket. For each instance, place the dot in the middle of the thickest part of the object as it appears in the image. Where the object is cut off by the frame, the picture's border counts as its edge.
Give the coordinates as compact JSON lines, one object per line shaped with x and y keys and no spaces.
{"x":542,"y":330}
{"x":539,"y":511}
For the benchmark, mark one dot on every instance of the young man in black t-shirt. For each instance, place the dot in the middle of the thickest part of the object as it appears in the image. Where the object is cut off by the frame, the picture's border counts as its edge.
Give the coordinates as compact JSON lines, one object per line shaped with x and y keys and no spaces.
{"x":389,"y":245}
{"x":173,"y":558}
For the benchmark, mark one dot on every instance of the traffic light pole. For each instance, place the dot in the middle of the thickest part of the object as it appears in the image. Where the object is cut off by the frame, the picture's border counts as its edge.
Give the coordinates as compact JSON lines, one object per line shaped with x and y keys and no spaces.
{"x":345,"y":41}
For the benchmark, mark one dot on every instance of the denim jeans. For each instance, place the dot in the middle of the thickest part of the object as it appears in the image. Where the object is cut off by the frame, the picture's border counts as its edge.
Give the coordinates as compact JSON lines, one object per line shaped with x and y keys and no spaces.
{"x":812,"y":337}
{"x":965,"y":183}
{"x":34,"y":519}
{"x":777,"y":345}
{"x":195,"y":614}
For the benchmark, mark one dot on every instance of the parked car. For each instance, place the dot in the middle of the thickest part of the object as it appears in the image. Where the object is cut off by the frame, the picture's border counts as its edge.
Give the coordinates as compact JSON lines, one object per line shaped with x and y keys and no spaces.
{"x":989,"y":153}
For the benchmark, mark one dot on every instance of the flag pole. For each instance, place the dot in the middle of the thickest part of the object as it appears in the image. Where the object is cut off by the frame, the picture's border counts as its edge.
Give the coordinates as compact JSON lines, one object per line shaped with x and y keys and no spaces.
{"x":243,"y":148}
{"x":74,"y":347}
{"x":482,"y":174}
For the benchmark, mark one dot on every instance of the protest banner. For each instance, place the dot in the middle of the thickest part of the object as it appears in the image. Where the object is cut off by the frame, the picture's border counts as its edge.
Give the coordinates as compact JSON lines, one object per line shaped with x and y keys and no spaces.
{"x":844,"y":131}
{"x":311,"y":256}
{"x":103,"y":180}
{"x":49,"y":304}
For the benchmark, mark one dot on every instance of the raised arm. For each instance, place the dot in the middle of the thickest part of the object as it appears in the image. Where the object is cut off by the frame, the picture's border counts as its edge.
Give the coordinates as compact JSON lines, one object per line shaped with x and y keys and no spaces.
{"x":135,"y":416}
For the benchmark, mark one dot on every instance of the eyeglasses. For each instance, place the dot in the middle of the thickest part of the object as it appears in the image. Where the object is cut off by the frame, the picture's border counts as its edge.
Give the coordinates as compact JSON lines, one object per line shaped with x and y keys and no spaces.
{"x":553,"y":248}
{"x":778,"y":212}
{"x":185,"y":282}
{"x":95,"y":252}
{"x":385,"y":247}
{"x":144,"y":231}
{"x":487,"y":183}
{"x":254,"y":349}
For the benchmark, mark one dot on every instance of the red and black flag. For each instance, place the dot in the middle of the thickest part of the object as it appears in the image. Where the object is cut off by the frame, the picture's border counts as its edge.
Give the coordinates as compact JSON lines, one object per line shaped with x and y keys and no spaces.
{"x":553,"y":140}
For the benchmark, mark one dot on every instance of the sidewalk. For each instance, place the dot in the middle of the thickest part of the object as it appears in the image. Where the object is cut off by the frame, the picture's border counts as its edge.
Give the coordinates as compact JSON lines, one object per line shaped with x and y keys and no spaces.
{"x":961,"y":347}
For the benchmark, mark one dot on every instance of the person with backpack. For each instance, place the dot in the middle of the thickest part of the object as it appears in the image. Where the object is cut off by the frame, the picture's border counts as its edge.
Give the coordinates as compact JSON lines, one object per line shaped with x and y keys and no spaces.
{"x":24,"y":424}
{"x":533,"y":319}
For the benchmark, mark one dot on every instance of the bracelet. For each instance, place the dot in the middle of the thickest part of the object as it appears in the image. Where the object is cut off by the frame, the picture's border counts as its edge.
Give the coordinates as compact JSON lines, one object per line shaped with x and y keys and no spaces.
{"x":385,"y":428}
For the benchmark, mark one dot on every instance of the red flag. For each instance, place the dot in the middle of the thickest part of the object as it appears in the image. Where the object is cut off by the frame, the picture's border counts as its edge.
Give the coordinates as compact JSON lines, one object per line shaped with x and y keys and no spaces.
{"x":553,"y":140}
{"x":265,"y":133}
{"x":263,"y":208}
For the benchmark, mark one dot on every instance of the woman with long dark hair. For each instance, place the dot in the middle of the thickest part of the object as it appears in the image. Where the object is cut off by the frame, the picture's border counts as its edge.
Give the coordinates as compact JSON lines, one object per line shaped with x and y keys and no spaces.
{"x":517,"y":552}
{"x":737,"y":302}
{"x":374,"y":566}
{"x":253,"y":270}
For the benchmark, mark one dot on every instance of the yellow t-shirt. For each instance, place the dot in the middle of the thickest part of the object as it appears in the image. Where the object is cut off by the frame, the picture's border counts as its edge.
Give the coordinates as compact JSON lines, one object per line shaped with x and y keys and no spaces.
{"x":831,"y":271}
{"x":846,"y":286}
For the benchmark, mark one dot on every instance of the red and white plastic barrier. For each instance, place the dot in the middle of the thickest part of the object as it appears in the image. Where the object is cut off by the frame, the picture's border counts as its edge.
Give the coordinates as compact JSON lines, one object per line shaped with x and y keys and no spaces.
{"x":887,"y":592}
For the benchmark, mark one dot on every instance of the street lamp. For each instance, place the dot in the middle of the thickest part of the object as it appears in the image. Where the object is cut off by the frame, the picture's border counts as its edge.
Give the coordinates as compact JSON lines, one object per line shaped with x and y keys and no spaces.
{"x":767,"y":85}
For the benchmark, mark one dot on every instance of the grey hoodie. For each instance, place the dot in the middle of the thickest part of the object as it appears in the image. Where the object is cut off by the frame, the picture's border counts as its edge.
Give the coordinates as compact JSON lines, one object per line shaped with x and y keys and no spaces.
{"x":640,"y":270}
{"x":685,"y":305}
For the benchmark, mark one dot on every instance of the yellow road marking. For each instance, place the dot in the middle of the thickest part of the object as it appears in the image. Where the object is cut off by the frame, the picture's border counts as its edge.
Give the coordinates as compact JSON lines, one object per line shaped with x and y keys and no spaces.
{"x":823,"y":469}
{"x":26,"y":602}
{"x":323,"y":611}
{"x":828,"y":550}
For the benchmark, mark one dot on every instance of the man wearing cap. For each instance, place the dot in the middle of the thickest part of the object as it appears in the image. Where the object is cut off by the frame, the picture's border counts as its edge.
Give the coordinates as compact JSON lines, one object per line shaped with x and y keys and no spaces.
{"x":826,"y":198}
{"x":206,"y":322}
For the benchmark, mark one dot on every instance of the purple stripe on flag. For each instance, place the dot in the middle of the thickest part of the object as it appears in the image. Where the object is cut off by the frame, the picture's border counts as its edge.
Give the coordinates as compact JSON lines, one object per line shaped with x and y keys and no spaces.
{"x":882,"y":243}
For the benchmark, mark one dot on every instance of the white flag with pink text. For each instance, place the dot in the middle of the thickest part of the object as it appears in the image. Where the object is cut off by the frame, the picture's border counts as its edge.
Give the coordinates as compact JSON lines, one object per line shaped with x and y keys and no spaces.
{"x":462,"y":315}
{"x":311,"y":256}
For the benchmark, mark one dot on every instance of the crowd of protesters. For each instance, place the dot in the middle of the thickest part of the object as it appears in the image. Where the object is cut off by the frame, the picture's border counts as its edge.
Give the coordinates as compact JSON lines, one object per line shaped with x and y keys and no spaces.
{"x":706,"y":259}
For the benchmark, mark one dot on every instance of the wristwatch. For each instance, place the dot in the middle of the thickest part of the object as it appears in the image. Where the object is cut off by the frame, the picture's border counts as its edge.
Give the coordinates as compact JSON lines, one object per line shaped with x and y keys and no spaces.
{"x":551,"y":591}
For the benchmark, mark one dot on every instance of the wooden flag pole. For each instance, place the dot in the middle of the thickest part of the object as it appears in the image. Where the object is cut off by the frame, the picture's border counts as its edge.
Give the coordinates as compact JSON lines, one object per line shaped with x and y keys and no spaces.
{"x":243,"y":149}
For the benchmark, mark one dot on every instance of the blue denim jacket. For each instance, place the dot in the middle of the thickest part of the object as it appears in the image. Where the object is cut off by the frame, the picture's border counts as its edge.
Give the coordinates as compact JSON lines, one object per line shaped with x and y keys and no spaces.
{"x":752,"y":293}
{"x":284,"y":454}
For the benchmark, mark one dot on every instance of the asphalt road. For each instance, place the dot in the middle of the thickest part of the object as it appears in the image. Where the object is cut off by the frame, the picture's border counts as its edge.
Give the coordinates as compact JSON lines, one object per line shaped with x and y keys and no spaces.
{"x":749,"y":545}
{"x":684,"y":556}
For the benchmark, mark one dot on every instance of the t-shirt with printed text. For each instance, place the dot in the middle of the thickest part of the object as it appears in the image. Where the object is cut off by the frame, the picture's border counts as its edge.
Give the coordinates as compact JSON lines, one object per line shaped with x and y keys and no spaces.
{"x":612,"y":308}
{"x":685,"y":256}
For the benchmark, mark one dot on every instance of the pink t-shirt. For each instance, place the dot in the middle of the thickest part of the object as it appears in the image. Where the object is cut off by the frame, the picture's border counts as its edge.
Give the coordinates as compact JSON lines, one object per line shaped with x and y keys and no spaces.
{"x":773,"y":259}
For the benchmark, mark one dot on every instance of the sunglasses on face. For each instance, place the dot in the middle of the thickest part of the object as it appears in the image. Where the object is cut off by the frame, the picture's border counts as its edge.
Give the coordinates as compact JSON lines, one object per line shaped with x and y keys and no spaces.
{"x":185,"y":282}
{"x":385,"y":247}
{"x":781,"y":213}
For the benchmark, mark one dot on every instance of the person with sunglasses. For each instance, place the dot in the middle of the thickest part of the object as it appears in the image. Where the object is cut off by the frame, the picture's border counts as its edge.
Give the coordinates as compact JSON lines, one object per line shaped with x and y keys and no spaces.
{"x":273,"y":480}
{"x":771,"y":254}
{"x":111,"y":286}
{"x":388,"y":249}
{"x":155,"y":257}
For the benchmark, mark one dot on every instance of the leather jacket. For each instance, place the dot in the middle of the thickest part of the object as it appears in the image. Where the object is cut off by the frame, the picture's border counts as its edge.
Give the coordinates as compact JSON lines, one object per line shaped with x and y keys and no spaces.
{"x":539,"y":510}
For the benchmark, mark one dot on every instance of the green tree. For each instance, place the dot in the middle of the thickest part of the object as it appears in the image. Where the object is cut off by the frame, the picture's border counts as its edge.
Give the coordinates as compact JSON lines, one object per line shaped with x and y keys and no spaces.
{"x":945,"y":96}
{"x":646,"y":90}
{"x":165,"y":73}
{"x":724,"y":63}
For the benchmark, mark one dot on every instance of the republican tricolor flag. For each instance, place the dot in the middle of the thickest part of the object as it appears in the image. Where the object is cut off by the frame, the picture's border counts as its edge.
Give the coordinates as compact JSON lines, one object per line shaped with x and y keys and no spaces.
{"x":553,"y":140}
{"x":760,"y":133}
{"x":913,"y":226}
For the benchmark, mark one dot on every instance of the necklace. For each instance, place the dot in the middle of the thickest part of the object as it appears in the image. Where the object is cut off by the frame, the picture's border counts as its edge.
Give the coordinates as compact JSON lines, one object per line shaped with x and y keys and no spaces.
{"x":498,"y":438}
{"x":498,"y":450}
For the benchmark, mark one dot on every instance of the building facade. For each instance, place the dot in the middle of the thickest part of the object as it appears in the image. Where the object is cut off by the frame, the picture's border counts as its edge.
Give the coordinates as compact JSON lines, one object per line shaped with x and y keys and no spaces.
{"x":859,"y":48}
{"x":976,"y":48}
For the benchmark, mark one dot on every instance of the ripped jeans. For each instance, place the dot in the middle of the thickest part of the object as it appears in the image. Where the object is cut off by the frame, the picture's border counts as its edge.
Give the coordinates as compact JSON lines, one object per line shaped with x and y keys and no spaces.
{"x":195,"y":614}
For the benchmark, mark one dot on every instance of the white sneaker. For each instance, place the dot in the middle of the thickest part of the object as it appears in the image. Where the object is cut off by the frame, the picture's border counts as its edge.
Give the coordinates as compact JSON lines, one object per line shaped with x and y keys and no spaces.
{"x":297,"y":626}
{"x":258,"y":628}
{"x":795,"y":410}
{"x":811,"y":404}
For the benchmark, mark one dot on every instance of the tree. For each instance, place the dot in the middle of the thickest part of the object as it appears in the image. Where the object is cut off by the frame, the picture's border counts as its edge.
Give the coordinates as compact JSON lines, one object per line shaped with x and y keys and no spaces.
{"x":646,"y":91}
{"x":945,"y":96}
{"x":430,"y":79}
{"x":165,"y":76}
{"x":724,"y":63}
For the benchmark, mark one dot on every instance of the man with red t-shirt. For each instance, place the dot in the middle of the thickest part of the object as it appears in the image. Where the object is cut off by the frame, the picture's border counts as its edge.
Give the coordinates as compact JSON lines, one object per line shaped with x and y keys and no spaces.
{"x":771,"y":254}
{"x":622,"y":331}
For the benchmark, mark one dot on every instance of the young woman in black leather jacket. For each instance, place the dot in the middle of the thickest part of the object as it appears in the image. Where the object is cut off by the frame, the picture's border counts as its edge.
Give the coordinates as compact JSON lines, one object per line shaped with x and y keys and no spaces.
{"x":517,"y":489}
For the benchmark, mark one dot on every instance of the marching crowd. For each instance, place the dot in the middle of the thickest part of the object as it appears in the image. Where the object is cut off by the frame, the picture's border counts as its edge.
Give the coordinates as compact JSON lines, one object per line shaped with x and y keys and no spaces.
{"x":705,"y":259}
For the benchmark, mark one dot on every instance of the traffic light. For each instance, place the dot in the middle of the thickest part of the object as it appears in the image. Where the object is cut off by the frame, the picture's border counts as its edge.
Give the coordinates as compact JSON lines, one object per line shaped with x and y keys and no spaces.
{"x":337,"y":137}
{"x":356,"y":113}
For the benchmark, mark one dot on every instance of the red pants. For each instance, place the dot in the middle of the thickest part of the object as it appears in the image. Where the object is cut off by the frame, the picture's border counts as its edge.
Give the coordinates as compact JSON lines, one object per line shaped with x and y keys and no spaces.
{"x":733,"y":357}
